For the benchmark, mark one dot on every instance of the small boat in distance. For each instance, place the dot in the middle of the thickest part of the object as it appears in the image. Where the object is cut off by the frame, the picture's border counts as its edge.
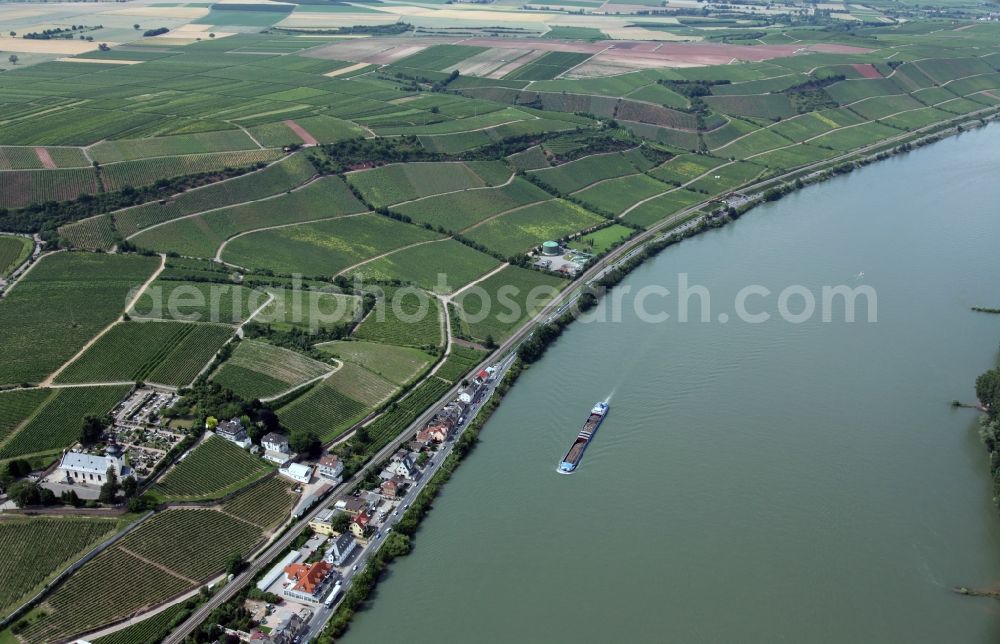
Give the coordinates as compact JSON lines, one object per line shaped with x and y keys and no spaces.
{"x":575,"y":453}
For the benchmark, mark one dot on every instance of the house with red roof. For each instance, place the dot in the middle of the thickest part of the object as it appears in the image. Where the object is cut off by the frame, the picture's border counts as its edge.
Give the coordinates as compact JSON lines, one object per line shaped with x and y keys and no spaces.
{"x":307,"y":582}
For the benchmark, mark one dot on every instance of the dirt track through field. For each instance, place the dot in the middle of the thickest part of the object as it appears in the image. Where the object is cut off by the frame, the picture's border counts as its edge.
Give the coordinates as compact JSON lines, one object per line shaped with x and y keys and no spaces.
{"x":45,"y":158}
{"x":307,"y":138}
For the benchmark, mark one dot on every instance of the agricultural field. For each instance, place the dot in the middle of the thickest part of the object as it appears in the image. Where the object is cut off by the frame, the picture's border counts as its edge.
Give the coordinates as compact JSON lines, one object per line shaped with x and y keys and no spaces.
{"x":130,"y":150}
{"x":202,"y":235}
{"x":399,"y":365}
{"x":548,"y":66}
{"x":660,"y":207}
{"x":276,"y":178}
{"x":16,"y":405}
{"x":13,"y":252}
{"x":405,"y":318}
{"x":520,"y":230}
{"x":93,"y":233}
{"x":727,"y":177}
{"x":440,"y":266}
{"x":24,"y":566}
{"x":323,"y":248}
{"x":576,"y":175}
{"x":56,"y":423}
{"x":165,"y":353}
{"x":603,"y":240}
{"x":458,"y":364}
{"x":459,"y":210}
{"x":186,"y":301}
{"x":615,"y":195}
{"x":211,"y":470}
{"x":309,"y":310}
{"x":323,"y":410}
{"x":152,"y":629}
{"x":261,"y":370}
{"x":62,"y":302}
{"x":685,"y":168}
{"x":266,"y":504}
{"x":142,"y":172}
{"x":393,"y":184}
{"x":528,"y":293}
{"x":23,"y":187}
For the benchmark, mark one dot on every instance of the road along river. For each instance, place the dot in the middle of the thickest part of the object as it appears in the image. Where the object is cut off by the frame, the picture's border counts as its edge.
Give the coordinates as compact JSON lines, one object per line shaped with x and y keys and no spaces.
{"x":753,"y":482}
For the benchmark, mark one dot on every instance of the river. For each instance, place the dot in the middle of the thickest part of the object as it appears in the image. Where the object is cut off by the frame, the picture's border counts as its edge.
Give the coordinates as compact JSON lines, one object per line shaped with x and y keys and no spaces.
{"x":770,"y":482}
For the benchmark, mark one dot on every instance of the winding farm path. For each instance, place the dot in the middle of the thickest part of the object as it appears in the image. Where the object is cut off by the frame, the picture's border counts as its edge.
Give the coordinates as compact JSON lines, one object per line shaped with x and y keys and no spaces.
{"x":391,"y":252}
{"x":128,"y":306}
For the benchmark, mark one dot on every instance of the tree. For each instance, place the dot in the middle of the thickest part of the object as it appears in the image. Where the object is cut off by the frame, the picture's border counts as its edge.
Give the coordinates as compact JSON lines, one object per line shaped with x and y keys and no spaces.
{"x":136,"y":26}
{"x":988,"y":391}
{"x":70,"y":497}
{"x":18,"y":468}
{"x":489,"y":342}
{"x":13,"y":59}
{"x":211,"y":422}
{"x":340,"y":522}
{"x":25,"y":493}
{"x":92,"y":430}
{"x":235,"y":564}
{"x":129,"y":487}
{"x":361,"y":435}
{"x":109,"y":491}
{"x":305,"y":442}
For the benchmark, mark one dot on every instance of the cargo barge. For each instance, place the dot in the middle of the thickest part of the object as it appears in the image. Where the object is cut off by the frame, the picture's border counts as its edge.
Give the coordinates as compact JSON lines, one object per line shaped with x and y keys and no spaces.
{"x":575,"y":453}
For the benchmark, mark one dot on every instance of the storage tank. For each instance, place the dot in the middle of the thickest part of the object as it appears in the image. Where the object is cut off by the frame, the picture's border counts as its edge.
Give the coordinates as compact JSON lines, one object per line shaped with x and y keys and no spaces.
{"x":550,"y":248}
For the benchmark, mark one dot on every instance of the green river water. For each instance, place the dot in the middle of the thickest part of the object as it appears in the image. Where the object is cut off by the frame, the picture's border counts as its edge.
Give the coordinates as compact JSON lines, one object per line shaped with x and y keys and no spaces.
{"x":769,"y":482}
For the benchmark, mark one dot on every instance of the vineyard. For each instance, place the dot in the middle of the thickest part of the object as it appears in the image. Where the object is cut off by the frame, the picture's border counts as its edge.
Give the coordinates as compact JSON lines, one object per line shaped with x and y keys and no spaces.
{"x":213,"y":469}
{"x":24,"y":566}
{"x":167,"y":353}
{"x":61,"y":304}
{"x":459,"y":210}
{"x":148,"y":171}
{"x":13,"y":252}
{"x":23,"y":187}
{"x":153,"y":629}
{"x":16,"y":405}
{"x":323,"y":410}
{"x":396,"y":364}
{"x":56,"y":425}
{"x":260,"y":370}
{"x":266,"y":504}
{"x":459,"y":363}
{"x":274,"y":179}
{"x":384,"y":323}
{"x":308,"y":310}
{"x":530,"y":286}
{"x":131,"y":149}
{"x":107,"y":598}
{"x":396,"y":183}
{"x":192,"y":543}
{"x":94,"y":233}
{"x":579,"y":174}
{"x":521,"y":230}
{"x":171,"y":299}
{"x":358,"y":383}
{"x":443,"y":266}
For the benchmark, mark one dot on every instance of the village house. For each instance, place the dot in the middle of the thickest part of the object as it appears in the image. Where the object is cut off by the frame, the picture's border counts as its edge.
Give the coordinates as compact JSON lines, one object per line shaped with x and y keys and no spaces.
{"x":402,"y":463}
{"x":307,"y":582}
{"x":234,"y":432}
{"x":341,"y":549}
{"x":330,"y":467}
{"x":351,"y":505}
{"x":276,"y":448}
{"x":393,"y":487}
{"x":359,"y":526}
{"x":88,"y":469}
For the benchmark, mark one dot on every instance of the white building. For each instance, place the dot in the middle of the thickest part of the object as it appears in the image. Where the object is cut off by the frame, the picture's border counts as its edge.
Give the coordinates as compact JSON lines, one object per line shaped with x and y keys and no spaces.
{"x":276,"y":448}
{"x":341,"y":549}
{"x":402,"y":464}
{"x":234,"y":432}
{"x":330,"y":467}
{"x":297,"y":472}
{"x":90,"y":469}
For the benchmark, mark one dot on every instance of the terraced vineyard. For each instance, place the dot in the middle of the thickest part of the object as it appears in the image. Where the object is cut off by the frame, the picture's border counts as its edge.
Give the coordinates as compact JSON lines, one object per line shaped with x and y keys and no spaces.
{"x":213,"y":469}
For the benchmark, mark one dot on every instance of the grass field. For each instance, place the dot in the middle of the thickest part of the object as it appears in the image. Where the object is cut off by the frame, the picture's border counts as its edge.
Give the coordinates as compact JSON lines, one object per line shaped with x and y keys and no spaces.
{"x":166,"y":353}
{"x":13,"y":252}
{"x":61,"y":303}
{"x":323,"y":248}
{"x":521,"y":230}
{"x":56,"y":423}
{"x":399,"y":365}
{"x":440,"y":266}
{"x":24,"y":566}
{"x":603,"y":240}
{"x":404,"y":318}
{"x":485,"y":314}
{"x":260,"y":370}
{"x":213,"y":469}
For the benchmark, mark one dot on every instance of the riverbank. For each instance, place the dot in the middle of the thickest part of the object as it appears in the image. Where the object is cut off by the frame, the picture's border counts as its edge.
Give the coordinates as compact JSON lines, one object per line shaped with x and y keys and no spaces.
{"x":864,"y":488}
